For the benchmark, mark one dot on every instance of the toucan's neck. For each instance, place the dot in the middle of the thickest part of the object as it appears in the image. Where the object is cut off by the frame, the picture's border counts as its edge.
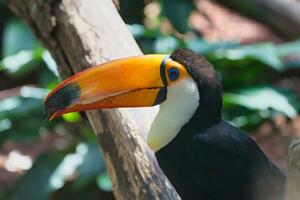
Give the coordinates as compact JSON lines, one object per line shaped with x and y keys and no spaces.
{"x":208,"y":112}
{"x":201,"y":120}
{"x":184,"y":109}
{"x":177,"y":110}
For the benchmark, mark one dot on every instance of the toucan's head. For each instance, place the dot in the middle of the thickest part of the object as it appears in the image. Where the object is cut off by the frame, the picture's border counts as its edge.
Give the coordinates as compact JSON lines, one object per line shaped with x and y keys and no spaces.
{"x":142,"y":81}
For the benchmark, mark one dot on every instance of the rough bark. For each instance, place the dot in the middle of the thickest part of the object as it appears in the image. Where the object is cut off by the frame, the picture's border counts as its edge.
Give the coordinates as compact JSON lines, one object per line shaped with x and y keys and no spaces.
{"x":82,"y":33}
{"x":293,"y":183}
{"x":281,"y":15}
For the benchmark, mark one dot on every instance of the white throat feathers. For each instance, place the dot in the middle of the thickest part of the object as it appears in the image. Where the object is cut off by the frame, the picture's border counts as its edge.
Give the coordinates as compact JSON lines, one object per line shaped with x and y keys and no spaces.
{"x":179,"y":107}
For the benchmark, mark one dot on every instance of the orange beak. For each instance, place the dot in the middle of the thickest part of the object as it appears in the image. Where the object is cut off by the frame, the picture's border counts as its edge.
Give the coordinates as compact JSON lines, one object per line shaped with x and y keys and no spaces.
{"x":131,"y":82}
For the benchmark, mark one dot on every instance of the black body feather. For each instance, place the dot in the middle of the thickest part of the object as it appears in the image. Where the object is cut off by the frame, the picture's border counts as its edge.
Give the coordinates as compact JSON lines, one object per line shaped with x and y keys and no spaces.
{"x":220,"y":163}
{"x":210,"y":159}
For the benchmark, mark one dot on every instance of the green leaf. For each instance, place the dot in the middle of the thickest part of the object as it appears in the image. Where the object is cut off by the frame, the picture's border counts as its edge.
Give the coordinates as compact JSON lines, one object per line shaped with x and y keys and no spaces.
{"x":22,"y":117}
{"x":262,"y":99}
{"x":46,"y":78}
{"x":5,"y":124}
{"x":13,"y":63}
{"x":50,"y":62}
{"x":35,"y":184}
{"x":288,"y":48}
{"x":166,"y":44}
{"x":290,"y":52}
{"x":91,"y":166}
{"x":266,"y":53}
{"x":17,"y":37}
{"x":203,"y":47}
{"x":72,"y":117}
{"x":33,"y":92}
{"x":21,"y":63}
{"x":178,"y":11}
{"x":68,"y":167}
{"x":136,"y":30}
{"x":104,"y":182}
{"x":247,"y":121}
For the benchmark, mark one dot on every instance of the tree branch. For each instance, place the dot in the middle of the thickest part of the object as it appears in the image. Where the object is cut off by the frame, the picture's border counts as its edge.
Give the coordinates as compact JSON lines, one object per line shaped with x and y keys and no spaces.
{"x":292,"y":187}
{"x":82,"y":33}
{"x":281,"y":15}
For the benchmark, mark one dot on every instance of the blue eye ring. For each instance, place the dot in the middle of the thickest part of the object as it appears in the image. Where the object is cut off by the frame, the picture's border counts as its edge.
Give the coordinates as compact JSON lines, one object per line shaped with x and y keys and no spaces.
{"x":173,"y":74}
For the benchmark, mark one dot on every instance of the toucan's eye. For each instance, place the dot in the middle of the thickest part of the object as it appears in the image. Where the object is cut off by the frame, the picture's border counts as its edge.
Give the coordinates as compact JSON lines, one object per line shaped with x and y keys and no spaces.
{"x":173,"y":74}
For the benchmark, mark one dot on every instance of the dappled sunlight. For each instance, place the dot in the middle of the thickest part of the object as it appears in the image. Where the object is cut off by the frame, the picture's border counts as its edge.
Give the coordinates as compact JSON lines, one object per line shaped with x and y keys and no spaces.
{"x":16,"y":162}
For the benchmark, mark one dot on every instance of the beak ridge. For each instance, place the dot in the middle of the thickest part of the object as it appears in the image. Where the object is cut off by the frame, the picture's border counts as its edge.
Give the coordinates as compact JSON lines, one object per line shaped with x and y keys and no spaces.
{"x":130,"y":82}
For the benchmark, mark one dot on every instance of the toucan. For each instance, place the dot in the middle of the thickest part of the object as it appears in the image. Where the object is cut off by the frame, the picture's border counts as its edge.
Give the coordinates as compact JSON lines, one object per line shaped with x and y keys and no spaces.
{"x":204,"y":157}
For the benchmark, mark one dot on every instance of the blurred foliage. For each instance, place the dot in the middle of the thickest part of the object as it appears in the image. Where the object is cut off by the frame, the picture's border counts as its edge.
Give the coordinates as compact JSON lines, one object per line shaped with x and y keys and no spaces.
{"x":250,"y":76}
{"x":132,"y":11}
{"x":175,"y":11}
{"x":77,"y":165}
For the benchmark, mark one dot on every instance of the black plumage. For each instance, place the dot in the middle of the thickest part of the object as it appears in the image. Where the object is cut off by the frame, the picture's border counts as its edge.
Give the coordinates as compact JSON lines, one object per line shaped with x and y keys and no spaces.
{"x":210,"y":159}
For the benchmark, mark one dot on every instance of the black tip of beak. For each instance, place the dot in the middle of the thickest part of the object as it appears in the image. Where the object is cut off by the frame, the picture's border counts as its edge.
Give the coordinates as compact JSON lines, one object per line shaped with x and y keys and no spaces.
{"x":61,"y":99}
{"x":49,"y":112}
{"x":47,"y":115}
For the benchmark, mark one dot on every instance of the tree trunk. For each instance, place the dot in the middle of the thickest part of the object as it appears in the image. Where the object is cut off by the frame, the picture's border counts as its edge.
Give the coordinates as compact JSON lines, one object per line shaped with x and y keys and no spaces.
{"x":82,"y":33}
{"x":281,"y":15}
{"x":293,"y":183}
